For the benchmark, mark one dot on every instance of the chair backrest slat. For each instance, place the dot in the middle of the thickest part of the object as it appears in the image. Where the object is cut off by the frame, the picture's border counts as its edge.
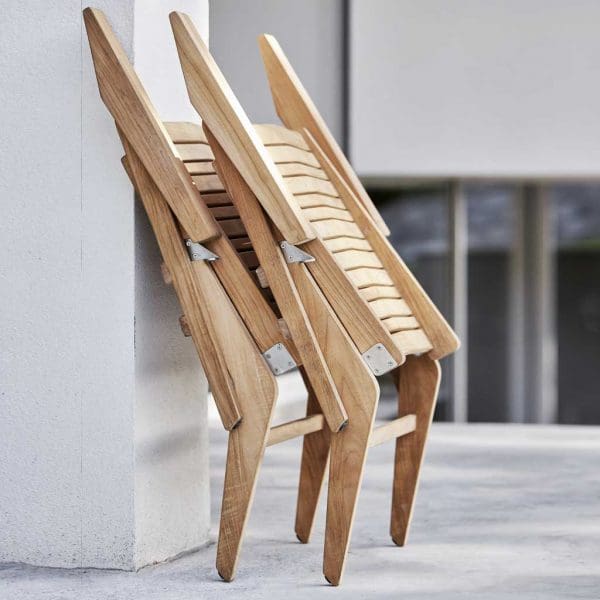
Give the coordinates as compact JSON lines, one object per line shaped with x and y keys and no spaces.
{"x":297,"y":111}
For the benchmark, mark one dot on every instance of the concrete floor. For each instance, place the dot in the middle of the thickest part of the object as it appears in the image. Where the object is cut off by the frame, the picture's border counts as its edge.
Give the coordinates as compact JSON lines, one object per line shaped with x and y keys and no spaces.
{"x":503,"y":511}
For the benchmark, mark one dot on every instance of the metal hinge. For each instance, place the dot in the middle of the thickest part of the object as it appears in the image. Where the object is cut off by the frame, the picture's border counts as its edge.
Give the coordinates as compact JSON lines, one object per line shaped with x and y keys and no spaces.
{"x":199,"y":252}
{"x":279,"y":359}
{"x":293,"y":254}
{"x":379,"y":360}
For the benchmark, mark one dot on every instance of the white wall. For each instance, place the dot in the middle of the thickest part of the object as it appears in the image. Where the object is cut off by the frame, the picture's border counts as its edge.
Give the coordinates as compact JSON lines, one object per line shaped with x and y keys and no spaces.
{"x":475,"y":88}
{"x":311,"y":34}
{"x":103,"y":434}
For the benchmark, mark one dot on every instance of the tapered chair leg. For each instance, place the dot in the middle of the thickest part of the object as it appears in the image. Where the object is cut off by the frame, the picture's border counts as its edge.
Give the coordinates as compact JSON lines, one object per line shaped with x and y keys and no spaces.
{"x":359,"y":392}
{"x":418,"y":381}
{"x":245,"y":452}
{"x":315,"y":455}
{"x":347,"y":461}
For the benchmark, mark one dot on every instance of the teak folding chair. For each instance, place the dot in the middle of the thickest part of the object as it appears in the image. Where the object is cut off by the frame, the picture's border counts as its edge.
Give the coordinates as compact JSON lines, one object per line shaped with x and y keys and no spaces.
{"x":313,"y":199}
{"x":236,"y":327}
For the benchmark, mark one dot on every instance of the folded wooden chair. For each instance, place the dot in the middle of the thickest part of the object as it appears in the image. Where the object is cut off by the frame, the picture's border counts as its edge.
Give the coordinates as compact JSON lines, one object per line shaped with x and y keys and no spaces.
{"x":313,"y":199}
{"x":244,"y":336}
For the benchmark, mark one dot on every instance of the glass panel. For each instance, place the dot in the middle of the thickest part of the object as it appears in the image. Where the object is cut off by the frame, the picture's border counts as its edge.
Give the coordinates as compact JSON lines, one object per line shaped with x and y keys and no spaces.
{"x":491,"y":228}
{"x":577,"y":214}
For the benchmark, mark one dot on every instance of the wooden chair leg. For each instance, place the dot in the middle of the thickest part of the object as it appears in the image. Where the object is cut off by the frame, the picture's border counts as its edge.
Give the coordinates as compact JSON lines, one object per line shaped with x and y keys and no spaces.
{"x":315,"y":455}
{"x":245,"y":452}
{"x":359,"y":391}
{"x":418,"y":381}
{"x":348,"y":456}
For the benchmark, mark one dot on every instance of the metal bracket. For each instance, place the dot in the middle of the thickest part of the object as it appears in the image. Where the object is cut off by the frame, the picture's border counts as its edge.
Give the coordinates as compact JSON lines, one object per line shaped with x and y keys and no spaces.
{"x":199,"y":252}
{"x":279,"y":359}
{"x":293,"y":254}
{"x":379,"y":360}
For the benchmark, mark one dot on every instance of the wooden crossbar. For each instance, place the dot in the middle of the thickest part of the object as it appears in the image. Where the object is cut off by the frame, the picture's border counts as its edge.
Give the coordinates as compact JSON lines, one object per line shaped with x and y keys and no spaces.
{"x":292,"y":429}
{"x":392,"y":430}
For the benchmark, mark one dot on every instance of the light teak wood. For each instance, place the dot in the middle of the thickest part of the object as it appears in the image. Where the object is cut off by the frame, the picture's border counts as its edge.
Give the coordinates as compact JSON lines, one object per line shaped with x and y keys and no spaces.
{"x":282,"y":286}
{"x":393,"y":430}
{"x":353,"y":268}
{"x":418,"y":384}
{"x":296,"y":109}
{"x":199,"y":293}
{"x":210,"y":94}
{"x":293,"y":429}
{"x":131,"y":108}
{"x":227,"y":317}
{"x":443,"y":340}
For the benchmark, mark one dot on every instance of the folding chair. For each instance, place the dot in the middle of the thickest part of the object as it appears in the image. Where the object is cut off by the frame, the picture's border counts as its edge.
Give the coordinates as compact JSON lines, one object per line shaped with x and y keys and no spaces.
{"x":236,"y":327}
{"x":314,"y":200}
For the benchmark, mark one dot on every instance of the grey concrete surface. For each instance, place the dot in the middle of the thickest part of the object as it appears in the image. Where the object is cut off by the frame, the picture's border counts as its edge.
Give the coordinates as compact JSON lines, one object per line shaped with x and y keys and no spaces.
{"x":503,"y":511}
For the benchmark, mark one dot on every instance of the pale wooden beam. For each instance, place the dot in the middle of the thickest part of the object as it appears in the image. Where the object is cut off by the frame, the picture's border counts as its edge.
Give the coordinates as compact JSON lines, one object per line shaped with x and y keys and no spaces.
{"x":392,"y":430}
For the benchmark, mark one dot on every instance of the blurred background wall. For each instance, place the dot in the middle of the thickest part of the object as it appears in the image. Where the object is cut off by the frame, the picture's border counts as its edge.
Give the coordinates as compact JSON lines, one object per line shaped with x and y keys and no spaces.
{"x":475,"y":127}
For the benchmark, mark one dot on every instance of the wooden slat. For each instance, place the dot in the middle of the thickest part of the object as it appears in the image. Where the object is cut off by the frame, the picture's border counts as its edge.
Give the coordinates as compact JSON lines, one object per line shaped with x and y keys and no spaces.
{"x":310,"y":185}
{"x":221,"y":112}
{"x":297,"y":111}
{"x":200,"y":168}
{"x":194,"y":152}
{"x":355,"y":259}
{"x":380,"y":292}
{"x":443,"y":340}
{"x":299,"y":169}
{"x":334,"y":229}
{"x":392,"y":430}
{"x":294,"y":429}
{"x":386,"y":307}
{"x":363,"y":278}
{"x":233,"y":228}
{"x":315,"y":200}
{"x":249,"y":259}
{"x":352,"y":309}
{"x":394,"y":324}
{"x":137,"y":120}
{"x":224,"y":212}
{"x":276,"y":135}
{"x":289,"y":154}
{"x":322,"y":213}
{"x":341,"y":244}
{"x":216,"y":199}
{"x":412,"y":342}
{"x":242,"y":243}
{"x":208,"y":183}
{"x":185,"y":132}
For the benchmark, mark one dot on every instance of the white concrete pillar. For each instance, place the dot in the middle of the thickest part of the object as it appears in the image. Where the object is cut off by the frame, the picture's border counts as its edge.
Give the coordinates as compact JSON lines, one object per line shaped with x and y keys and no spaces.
{"x":103,"y":437}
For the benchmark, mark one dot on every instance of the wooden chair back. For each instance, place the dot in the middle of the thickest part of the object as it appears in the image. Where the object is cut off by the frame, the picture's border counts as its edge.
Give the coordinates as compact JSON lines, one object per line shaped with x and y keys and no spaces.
{"x":382,"y":306}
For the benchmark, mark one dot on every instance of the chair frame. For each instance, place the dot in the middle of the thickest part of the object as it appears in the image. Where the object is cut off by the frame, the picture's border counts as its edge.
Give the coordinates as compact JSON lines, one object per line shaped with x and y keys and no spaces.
{"x":245,"y":167}
{"x":328,"y":326}
{"x":220,"y":301}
